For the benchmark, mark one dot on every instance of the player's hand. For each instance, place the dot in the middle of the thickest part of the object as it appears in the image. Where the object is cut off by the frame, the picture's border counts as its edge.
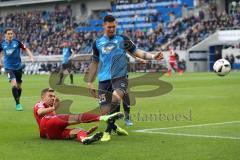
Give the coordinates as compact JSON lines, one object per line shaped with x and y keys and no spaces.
{"x":158,"y":56}
{"x":56,"y":103}
{"x":1,"y":66}
{"x":32,"y":59}
{"x":92,"y":90}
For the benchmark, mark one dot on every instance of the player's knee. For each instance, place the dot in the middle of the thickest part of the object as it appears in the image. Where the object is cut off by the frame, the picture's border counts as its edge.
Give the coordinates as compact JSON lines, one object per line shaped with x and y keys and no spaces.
{"x":117,"y":95}
{"x":14,"y":85}
{"x":19,"y":86}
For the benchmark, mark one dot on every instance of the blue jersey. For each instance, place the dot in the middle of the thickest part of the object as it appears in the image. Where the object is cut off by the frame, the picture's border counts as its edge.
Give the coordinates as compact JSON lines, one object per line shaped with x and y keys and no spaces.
{"x":12,"y":54}
{"x":111,"y":56}
{"x":67,"y":52}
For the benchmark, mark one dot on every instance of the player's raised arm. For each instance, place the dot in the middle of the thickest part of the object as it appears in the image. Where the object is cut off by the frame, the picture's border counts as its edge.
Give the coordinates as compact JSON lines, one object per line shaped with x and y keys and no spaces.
{"x":28,"y":52}
{"x":54,"y":106}
{"x":43,"y":111}
{"x":135,"y":52}
{"x":148,"y":56}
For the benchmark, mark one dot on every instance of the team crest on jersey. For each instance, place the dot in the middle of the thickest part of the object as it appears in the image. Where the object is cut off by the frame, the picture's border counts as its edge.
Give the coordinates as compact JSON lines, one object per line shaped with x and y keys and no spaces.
{"x":108,"y":48}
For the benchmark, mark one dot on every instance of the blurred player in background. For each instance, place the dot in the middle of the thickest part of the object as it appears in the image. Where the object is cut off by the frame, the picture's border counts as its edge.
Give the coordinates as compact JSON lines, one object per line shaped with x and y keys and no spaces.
{"x":173,"y":63}
{"x":67,"y":64}
{"x":110,"y":61}
{"x":11,"y":49}
{"x":53,"y":126}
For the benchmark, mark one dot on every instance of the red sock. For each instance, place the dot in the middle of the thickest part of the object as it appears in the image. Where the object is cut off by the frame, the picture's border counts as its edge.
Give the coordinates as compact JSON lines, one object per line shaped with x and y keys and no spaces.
{"x":88,"y":117}
{"x":81,"y":135}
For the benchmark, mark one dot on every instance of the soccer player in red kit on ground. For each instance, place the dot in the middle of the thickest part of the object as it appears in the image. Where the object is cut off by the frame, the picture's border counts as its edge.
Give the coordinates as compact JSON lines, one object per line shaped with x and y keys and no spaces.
{"x":53,"y":126}
{"x":173,"y":63}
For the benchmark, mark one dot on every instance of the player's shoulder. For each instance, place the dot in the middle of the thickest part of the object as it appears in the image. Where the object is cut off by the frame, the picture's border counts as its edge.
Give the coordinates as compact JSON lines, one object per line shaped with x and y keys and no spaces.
{"x":99,"y":41}
{"x":3,"y":41}
{"x":16,"y":41}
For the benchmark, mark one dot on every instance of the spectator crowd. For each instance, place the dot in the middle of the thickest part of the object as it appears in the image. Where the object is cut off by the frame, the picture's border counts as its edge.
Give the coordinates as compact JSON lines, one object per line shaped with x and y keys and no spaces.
{"x":45,"y":31}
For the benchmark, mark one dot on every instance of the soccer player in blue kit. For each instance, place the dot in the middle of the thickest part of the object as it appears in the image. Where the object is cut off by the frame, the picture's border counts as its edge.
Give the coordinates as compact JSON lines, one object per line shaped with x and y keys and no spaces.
{"x":11,"y":49}
{"x":66,"y":62}
{"x":109,"y":61}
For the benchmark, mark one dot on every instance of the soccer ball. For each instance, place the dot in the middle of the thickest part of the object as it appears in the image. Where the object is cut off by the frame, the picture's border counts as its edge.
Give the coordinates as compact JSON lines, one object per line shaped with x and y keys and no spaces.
{"x":222,"y":67}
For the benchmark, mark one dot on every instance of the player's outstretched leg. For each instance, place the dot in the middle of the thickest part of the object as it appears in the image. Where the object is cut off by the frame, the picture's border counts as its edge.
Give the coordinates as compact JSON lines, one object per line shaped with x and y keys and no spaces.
{"x":82,"y":136}
{"x":96,"y":137}
{"x":112,"y":117}
{"x":89,"y":117}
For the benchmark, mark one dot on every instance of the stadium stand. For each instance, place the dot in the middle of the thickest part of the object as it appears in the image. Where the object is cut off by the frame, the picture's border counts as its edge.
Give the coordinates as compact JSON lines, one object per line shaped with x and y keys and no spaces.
{"x":152,"y":24}
{"x":48,"y":29}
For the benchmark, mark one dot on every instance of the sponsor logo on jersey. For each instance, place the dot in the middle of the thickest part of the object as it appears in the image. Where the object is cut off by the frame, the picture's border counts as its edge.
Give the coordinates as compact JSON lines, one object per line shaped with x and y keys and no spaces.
{"x":108,"y":48}
{"x":9,"y":51}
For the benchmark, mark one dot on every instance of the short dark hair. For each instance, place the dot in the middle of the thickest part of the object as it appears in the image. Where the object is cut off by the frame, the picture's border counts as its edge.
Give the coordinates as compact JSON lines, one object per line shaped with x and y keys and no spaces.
{"x":44,"y":91}
{"x":109,"y":18}
{"x":8,"y":29}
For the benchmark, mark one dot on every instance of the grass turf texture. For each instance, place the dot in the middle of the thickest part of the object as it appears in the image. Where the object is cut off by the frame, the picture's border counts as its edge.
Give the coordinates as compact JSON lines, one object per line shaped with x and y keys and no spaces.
{"x":210,"y":98}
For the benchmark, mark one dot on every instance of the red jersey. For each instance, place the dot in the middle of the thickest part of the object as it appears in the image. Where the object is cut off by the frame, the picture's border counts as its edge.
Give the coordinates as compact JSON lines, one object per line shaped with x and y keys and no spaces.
{"x":172,"y":58}
{"x":38,"y":117}
{"x":50,"y":125}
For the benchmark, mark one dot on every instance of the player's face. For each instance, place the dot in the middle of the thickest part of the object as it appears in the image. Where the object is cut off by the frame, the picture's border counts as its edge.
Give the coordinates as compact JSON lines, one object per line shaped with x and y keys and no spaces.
{"x":9,"y":35}
{"x":48,"y":98}
{"x":110,"y":28}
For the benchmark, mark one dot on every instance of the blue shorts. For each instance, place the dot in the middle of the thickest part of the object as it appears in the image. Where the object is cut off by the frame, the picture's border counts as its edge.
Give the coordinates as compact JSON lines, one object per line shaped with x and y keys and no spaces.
{"x":14,"y":74}
{"x":106,"y":88}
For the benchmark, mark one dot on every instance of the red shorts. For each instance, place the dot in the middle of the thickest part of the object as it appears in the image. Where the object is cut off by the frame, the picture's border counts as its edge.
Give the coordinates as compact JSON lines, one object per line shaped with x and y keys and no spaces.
{"x":173,"y":65}
{"x":54,"y":127}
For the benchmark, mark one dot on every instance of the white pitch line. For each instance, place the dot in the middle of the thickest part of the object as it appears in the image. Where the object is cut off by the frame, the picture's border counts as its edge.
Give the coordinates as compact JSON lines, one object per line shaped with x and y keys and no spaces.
{"x":195,"y":135}
{"x":187,"y":126}
{"x":190,"y":135}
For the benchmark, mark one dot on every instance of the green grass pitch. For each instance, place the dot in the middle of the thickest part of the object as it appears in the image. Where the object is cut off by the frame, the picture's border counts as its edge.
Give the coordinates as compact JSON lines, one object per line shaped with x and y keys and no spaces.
{"x":196,"y":99}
